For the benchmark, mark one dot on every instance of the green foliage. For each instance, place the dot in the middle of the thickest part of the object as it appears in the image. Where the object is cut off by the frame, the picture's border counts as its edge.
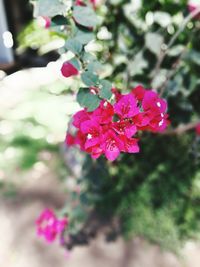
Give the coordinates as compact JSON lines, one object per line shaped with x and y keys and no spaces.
{"x":85,"y":16}
{"x":105,"y":90}
{"x":156,"y":193}
{"x":49,"y":8}
{"x":152,"y":193}
{"x":86,"y":99}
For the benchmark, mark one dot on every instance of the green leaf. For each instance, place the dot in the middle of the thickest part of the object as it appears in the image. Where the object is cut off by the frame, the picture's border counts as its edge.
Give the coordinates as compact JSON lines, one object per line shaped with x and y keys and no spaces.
{"x":74,"y":46}
{"x":95,"y":66}
{"x":88,"y":100}
{"x":89,"y":78}
{"x":176,"y":50}
{"x":59,"y":20}
{"x":153,"y":42}
{"x":193,"y":56}
{"x":162,"y":18}
{"x":105,"y":91}
{"x":138,"y":64}
{"x":49,"y":8}
{"x":83,"y":35}
{"x":74,"y":61}
{"x":85,"y":16}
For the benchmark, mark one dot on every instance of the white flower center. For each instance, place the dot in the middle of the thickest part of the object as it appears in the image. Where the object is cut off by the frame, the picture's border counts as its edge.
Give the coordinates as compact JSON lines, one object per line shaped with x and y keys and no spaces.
{"x":89,"y":136}
{"x":161,"y":123}
{"x":158,"y":104}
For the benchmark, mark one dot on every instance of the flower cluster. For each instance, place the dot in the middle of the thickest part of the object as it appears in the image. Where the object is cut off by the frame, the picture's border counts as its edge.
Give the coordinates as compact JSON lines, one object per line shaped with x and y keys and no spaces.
{"x":111,"y":128}
{"x":49,"y":226}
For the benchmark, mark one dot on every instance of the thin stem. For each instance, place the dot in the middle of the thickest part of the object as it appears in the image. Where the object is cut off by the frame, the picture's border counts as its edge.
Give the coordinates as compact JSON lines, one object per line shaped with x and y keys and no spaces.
{"x":181,"y":129}
{"x":173,"y":39}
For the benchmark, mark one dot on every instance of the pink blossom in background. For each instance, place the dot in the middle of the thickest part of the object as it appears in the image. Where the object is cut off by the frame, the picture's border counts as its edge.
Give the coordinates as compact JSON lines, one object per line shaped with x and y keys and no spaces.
{"x":49,"y":226}
{"x":112,"y":128}
{"x":69,"y":70}
{"x":197,"y":129}
{"x":192,"y":6}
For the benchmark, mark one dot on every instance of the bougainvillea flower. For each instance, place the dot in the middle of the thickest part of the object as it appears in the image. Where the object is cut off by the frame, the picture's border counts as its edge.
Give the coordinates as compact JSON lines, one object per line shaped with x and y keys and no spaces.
{"x":152,"y":102}
{"x":79,"y":3}
{"x":80,"y":140}
{"x":104,"y":113}
{"x":112,"y":128}
{"x":80,"y":117}
{"x":138,"y":92}
{"x":70,"y":139}
{"x":124,"y":127}
{"x":68,"y":70}
{"x":193,"y":6}
{"x":117,"y":94}
{"x":49,"y":226}
{"x":111,"y":145}
{"x":130,"y":145}
{"x":197,"y":129}
{"x":93,"y":132}
{"x":126,"y":107}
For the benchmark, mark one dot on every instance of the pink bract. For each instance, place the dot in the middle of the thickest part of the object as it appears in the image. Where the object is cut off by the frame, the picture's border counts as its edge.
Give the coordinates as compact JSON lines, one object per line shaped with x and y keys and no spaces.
{"x":69,"y":70}
{"x":49,"y":226}
{"x":197,"y":129}
{"x":112,"y":128}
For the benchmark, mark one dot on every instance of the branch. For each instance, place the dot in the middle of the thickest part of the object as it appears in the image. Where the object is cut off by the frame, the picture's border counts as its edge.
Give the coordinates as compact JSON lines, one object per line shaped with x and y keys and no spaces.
{"x":181,"y":129}
{"x":173,"y":39}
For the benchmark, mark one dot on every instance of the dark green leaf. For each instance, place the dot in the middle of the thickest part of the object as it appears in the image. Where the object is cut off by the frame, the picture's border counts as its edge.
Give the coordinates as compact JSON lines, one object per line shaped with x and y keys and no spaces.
{"x":105,"y":91}
{"x":85,"y":16}
{"x":88,"y":100}
{"x":73,"y":46}
{"x":74,"y":61}
{"x":153,"y":42}
{"x":95,"y":66}
{"x":59,"y":21}
{"x":84,"y":36}
{"x":48,"y":8}
{"x":89,"y":78}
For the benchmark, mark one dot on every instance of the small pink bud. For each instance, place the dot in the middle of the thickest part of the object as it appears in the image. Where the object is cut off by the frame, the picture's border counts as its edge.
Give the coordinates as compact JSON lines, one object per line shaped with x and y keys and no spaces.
{"x":68,"y":70}
{"x":79,"y":3}
{"x":44,"y":22}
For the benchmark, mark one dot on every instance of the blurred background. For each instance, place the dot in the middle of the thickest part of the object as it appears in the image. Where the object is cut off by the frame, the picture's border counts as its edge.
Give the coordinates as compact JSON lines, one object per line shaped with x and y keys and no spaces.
{"x":160,"y":205}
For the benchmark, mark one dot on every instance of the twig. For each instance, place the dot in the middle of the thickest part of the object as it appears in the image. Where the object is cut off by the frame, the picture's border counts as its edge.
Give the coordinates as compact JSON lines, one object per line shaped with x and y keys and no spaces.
{"x":181,"y":129}
{"x":173,"y":39}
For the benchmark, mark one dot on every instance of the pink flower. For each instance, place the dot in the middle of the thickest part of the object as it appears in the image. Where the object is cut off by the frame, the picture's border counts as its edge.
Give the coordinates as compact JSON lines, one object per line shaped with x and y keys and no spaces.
{"x":152,"y":102}
{"x":111,"y":128}
{"x":79,"y":3}
{"x":69,"y":140}
{"x":49,"y":226}
{"x":93,"y":132}
{"x":104,"y":113}
{"x":197,"y":129}
{"x":111,"y":145}
{"x":125,"y":128}
{"x":117,"y":94}
{"x":80,"y":140}
{"x":126,"y":107}
{"x":192,"y":6}
{"x":80,"y":117}
{"x":130,"y":145}
{"x":138,"y":92}
{"x":69,"y":70}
